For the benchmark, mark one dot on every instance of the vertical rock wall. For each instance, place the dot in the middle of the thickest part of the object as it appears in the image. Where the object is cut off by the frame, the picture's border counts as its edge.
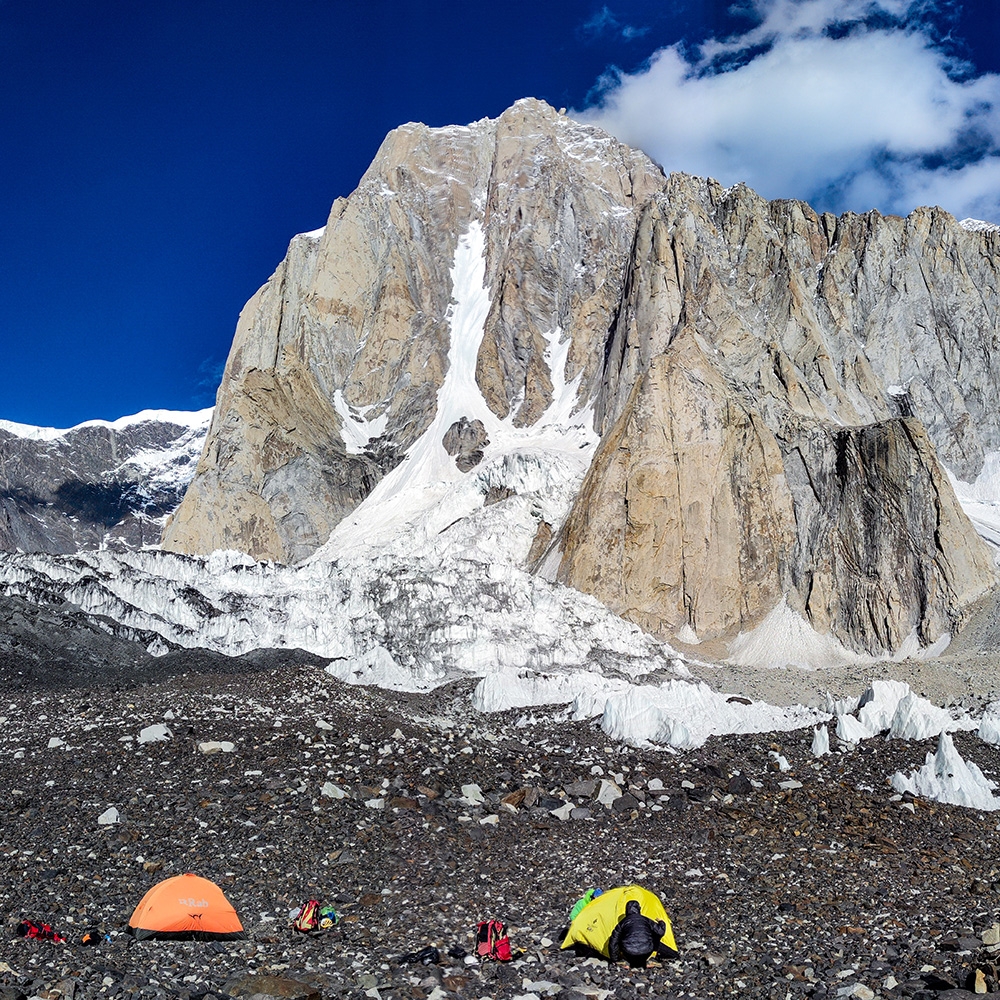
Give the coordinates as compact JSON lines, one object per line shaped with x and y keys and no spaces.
{"x":774,"y":389}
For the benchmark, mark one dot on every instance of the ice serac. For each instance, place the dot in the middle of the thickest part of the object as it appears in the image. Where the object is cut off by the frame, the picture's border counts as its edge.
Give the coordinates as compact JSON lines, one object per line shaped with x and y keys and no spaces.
{"x":351,"y":333}
{"x":778,"y":388}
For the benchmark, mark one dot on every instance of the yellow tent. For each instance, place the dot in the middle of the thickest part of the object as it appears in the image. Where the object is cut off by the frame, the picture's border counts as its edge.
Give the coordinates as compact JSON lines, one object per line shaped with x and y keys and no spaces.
{"x":593,"y":925}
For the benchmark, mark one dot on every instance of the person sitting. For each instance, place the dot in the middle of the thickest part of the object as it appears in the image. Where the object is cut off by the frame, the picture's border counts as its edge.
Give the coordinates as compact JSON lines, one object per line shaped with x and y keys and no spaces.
{"x":635,"y":937}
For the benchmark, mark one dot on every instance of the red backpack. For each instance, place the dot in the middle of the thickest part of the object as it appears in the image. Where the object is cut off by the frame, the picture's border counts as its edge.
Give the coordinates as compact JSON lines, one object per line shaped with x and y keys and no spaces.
{"x":492,"y":941}
{"x":307,"y":919}
{"x":38,"y":932}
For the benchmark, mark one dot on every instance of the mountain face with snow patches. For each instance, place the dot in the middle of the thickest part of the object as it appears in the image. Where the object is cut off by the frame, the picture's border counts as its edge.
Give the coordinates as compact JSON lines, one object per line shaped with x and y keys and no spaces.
{"x":742,"y":409}
{"x":473,"y":273}
{"x":98,"y":485}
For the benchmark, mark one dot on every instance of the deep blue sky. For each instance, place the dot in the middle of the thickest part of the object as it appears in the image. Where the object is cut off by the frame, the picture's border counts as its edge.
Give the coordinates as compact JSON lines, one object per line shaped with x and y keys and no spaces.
{"x":156,"y":157}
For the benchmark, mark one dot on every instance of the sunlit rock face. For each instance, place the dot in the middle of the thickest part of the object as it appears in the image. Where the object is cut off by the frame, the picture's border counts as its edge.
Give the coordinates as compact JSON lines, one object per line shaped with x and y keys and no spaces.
{"x":338,"y":360}
{"x":769,"y":395}
{"x":777,"y":386}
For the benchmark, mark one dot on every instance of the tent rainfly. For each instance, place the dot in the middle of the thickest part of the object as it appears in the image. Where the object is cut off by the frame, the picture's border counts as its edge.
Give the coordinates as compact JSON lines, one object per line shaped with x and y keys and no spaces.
{"x":185,"y":908}
{"x":593,"y":925}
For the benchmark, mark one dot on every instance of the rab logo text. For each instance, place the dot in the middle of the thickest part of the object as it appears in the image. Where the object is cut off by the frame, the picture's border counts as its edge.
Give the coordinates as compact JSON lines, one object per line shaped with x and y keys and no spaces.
{"x":192,"y":902}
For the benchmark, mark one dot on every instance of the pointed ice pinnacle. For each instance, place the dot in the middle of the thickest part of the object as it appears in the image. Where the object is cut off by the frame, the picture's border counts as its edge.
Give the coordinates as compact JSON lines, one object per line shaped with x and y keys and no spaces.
{"x":821,"y":741}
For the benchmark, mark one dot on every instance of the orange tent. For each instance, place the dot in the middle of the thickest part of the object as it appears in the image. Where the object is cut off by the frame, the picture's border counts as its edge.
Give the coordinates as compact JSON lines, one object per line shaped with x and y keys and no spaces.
{"x":185,"y":908}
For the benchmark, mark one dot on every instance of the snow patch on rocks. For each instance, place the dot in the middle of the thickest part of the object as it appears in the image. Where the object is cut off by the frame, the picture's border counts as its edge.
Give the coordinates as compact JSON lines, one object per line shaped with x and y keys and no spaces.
{"x":785,"y":639}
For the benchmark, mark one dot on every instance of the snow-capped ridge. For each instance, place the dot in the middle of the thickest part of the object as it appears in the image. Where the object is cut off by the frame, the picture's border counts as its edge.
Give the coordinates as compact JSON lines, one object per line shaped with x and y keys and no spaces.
{"x":979,"y":226}
{"x":182,"y":418}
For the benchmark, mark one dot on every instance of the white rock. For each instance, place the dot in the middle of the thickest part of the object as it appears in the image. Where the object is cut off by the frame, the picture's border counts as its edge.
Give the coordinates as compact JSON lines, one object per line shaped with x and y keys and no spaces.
{"x":109,"y":817}
{"x":55,"y":741}
{"x":608,"y":792}
{"x":154,"y":734}
{"x":490,"y":820}
{"x":331,"y":791}
{"x":472,"y":795}
{"x":782,"y":762}
{"x":563,"y":812}
{"x":323,"y":724}
{"x":375,"y":803}
{"x":655,"y":785}
{"x":790,"y":784}
{"x":214,"y":746}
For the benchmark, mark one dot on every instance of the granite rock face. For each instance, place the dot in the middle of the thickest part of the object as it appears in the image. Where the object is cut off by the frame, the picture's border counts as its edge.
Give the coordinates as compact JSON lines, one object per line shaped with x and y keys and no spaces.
{"x":774,"y":365}
{"x":775,"y":391}
{"x":685,"y":514}
{"x":353,"y":326}
{"x":98,"y":485}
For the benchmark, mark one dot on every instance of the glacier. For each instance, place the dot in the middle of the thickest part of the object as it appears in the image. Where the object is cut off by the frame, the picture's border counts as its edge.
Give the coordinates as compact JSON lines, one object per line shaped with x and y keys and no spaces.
{"x":427,"y":582}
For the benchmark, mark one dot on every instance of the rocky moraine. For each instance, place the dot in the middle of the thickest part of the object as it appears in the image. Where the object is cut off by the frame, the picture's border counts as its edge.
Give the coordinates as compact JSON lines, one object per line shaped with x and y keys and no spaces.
{"x":416,"y":818}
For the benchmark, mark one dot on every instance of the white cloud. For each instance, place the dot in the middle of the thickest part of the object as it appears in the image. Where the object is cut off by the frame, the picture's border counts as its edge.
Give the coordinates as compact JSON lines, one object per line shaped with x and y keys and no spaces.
{"x":872,"y":113}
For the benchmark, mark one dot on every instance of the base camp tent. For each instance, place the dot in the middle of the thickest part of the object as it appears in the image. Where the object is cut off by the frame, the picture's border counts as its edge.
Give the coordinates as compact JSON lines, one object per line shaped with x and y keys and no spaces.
{"x":593,"y":925}
{"x":185,"y":908}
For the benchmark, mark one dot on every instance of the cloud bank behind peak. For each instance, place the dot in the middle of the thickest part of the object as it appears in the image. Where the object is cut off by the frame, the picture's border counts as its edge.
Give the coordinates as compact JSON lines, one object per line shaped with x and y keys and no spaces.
{"x":847,"y":104}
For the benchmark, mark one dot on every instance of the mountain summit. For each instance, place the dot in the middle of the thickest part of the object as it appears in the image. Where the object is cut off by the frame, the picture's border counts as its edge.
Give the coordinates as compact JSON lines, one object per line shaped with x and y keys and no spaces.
{"x":747,"y":409}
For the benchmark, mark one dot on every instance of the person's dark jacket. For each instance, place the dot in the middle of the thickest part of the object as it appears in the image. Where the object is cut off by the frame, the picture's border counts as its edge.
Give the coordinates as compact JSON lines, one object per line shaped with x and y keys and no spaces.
{"x":635,"y":937}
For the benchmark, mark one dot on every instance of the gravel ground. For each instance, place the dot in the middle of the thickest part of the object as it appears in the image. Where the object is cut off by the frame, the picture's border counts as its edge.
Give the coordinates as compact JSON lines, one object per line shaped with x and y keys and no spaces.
{"x":832,"y":886}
